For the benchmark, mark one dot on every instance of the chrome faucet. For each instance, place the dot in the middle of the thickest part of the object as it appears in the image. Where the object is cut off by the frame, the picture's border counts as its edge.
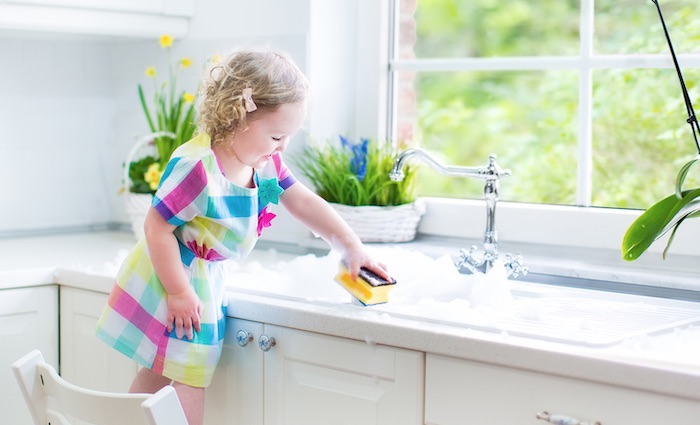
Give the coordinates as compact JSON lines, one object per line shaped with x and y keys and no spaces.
{"x":471,"y":260}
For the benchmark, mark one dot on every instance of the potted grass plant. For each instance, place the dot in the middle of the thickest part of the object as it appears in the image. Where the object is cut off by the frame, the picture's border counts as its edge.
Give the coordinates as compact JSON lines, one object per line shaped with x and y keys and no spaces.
{"x":354,"y":178}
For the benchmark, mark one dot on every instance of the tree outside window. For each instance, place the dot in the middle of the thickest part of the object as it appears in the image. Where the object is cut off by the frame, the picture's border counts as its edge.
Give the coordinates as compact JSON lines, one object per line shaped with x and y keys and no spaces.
{"x":578,"y":99}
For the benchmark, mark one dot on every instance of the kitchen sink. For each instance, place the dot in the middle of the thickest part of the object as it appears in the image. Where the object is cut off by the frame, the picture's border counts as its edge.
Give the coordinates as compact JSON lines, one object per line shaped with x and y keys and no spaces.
{"x":569,"y":315}
{"x":431,"y":290}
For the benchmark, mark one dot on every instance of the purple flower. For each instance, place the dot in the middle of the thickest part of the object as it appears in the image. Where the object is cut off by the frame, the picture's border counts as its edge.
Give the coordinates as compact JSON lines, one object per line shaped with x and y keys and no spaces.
{"x":358,"y":162}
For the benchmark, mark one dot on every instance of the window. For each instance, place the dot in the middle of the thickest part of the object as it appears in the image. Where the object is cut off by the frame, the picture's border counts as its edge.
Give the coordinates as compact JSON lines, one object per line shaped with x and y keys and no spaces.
{"x":578,"y":98}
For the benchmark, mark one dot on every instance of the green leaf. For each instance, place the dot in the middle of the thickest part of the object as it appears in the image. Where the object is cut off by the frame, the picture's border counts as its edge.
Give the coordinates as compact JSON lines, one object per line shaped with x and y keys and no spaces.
{"x":656,"y":221}
{"x":646,"y":228}
{"x":682,"y":174}
{"x":144,"y":105}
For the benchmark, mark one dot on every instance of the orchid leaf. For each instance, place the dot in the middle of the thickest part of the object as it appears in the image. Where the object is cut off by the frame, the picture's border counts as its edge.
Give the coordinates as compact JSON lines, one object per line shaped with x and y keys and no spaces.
{"x":682,"y":174}
{"x":684,"y":204}
{"x":647,"y":228}
{"x":657,"y":220}
{"x":691,"y":210}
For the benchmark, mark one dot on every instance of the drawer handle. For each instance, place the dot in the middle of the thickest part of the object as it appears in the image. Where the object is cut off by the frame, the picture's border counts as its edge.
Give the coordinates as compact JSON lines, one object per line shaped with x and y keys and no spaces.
{"x":562,"y":419}
{"x":266,"y":342}
{"x":243,"y":338}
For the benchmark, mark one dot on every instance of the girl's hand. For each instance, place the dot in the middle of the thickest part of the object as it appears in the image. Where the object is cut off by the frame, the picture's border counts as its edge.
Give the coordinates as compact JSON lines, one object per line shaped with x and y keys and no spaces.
{"x":357,"y":257}
{"x":184,"y":309}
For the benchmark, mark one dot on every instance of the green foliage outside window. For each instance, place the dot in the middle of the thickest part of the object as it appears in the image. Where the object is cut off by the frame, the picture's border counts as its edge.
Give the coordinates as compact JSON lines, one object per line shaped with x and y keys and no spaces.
{"x":529,"y":119}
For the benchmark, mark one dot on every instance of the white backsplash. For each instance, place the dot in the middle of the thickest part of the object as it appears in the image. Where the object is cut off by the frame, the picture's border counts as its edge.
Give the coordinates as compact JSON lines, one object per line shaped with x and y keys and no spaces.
{"x":69,"y":113}
{"x":56,"y":113}
{"x":69,"y":108}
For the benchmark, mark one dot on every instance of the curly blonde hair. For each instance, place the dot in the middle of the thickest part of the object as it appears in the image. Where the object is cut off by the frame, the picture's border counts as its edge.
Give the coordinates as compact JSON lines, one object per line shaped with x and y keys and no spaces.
{"x":272,"y":76}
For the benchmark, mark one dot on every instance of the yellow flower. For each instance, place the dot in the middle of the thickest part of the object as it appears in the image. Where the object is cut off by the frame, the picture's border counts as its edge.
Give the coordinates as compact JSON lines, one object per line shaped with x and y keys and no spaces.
{"x":188,"y":97}
{"x":215,"y":58}
{"x":151,"y":71}
{"x":185,"y":62}
{"x":166,"y":40}
{"x":153,"y":175}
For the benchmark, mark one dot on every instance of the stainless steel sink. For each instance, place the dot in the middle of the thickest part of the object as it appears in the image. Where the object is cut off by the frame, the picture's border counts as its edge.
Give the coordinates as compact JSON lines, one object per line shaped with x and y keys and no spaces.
{"x":552,"y":311}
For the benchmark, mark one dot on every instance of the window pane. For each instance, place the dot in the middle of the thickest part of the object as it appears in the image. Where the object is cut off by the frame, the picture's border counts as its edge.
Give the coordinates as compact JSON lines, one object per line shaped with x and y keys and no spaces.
{"x":640,"y":135}
{"x":486,"y":28}
{"x":633,"y":26}
{"x":526,"y":118}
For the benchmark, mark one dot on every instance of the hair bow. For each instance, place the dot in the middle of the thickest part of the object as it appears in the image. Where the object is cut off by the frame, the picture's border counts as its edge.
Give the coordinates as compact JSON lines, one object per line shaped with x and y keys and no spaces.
{"x":250,"y":106}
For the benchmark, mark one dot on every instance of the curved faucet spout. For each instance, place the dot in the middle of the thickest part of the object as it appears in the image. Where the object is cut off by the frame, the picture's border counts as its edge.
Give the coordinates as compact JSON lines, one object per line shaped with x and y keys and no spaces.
{"x":397,"y":174}
{"x":491,"y":173}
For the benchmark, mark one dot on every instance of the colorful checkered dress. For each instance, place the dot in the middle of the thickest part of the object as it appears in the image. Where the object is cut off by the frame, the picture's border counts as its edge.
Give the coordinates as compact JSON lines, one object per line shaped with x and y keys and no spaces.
{"x":217,"y":220}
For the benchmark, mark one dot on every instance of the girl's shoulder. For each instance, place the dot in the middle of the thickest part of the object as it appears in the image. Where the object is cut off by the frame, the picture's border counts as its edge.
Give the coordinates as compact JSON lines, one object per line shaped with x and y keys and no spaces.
{"x":196,"y":148}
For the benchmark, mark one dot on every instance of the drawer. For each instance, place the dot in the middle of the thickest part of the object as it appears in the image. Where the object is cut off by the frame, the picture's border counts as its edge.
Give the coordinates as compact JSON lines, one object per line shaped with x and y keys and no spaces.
{"x":463,"y":392}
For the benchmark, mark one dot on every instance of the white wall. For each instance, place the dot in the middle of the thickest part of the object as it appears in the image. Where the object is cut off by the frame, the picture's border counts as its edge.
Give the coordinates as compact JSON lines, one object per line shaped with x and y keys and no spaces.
{"x":56,"y":112}
{"x":69,"y":110}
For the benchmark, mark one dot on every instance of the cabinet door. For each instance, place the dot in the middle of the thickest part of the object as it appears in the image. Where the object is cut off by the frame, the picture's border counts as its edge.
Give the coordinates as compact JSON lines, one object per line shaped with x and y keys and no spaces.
{"x":85,"y":360}
{"x":235,"y":396}
{"x":459,"y":392}
{"x":28,"y":321}
{"x":315,"y":379}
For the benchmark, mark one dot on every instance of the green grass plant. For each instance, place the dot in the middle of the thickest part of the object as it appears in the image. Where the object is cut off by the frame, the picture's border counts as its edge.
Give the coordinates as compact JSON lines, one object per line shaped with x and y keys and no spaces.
{"x":330,"y":168}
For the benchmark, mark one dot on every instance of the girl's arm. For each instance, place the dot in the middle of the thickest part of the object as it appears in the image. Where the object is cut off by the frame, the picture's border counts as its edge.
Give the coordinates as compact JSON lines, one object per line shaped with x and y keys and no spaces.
{"x":316,"y":214}
{"x":184,"y":305}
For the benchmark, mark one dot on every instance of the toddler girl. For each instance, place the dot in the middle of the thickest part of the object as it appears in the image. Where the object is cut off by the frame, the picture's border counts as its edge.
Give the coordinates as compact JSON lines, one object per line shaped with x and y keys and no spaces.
{"x":168,"y":307}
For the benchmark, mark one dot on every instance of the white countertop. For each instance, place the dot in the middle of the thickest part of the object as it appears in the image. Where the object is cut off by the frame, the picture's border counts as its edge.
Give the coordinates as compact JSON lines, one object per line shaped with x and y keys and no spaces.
{"x":666,"y":364}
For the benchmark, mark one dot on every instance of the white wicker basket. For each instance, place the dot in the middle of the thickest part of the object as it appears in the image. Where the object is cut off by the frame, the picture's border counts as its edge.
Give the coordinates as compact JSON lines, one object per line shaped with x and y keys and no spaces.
{"x":383,"y":224}
{"x":137,"y":204}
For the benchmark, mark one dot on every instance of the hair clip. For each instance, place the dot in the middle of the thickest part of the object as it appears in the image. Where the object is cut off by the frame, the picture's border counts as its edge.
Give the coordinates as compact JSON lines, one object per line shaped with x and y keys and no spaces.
{"x":250,"y":106}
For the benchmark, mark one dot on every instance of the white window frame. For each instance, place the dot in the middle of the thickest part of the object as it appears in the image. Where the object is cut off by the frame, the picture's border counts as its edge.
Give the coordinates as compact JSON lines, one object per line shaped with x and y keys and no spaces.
{"x":591,"y":234}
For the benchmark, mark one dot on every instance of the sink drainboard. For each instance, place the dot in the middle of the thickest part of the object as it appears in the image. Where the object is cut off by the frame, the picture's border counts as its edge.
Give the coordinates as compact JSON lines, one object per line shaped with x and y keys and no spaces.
{"x":599,"y":323}
{"x":573,"y":320}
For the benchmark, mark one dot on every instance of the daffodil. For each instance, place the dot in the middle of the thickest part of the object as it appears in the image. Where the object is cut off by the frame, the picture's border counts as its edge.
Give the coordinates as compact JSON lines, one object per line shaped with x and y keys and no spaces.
{"x":215,"y":58}
{"x":166,"y":41}
{"x":170,"y":110}
{"x":153,"y":175}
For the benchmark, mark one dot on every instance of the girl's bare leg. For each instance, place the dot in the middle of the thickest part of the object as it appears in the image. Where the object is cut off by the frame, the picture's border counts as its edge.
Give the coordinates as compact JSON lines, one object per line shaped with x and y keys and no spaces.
{"x":149,"y":382}
{"x":192,"y":400}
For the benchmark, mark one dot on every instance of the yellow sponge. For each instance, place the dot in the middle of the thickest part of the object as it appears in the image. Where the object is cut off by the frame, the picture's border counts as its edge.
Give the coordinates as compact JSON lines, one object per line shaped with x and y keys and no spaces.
{"x":369,"y":288}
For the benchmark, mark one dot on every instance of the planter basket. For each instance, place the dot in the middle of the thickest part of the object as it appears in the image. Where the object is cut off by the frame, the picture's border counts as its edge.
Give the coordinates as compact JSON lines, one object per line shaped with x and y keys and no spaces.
{"x":137,"y":204}
{"x":383,"y":224}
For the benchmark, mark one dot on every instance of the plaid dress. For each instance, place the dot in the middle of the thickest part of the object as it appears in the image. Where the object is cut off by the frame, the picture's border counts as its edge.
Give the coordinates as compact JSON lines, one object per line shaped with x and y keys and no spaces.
{"x":216,"y":220}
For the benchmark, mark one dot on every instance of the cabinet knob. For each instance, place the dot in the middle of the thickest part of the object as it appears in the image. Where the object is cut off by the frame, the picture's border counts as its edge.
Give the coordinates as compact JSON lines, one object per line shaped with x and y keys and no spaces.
{"x":243,"y":338}
{"x":266,"y":342}
{"x":562,"y":419}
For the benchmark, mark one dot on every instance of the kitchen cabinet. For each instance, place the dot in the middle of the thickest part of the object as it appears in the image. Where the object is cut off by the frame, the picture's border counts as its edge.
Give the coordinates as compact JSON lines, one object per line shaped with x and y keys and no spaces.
{"x":129,"y":18}
{"x":85,"y":360}
{"x":309,"y":378}
{"x":28,"y":320}
{"x":465,"y":392}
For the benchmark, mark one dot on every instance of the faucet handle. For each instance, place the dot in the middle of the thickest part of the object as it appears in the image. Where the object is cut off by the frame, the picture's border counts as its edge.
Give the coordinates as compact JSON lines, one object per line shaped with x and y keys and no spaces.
{"x":494,"y":169}
{"x":514,"y":265}
{"x":467,"y":260}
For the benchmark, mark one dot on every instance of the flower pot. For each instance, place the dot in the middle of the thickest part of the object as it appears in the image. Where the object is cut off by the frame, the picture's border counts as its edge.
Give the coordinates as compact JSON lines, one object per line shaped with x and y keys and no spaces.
{"x":137,"y":205}
{"x":397,"y":223}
